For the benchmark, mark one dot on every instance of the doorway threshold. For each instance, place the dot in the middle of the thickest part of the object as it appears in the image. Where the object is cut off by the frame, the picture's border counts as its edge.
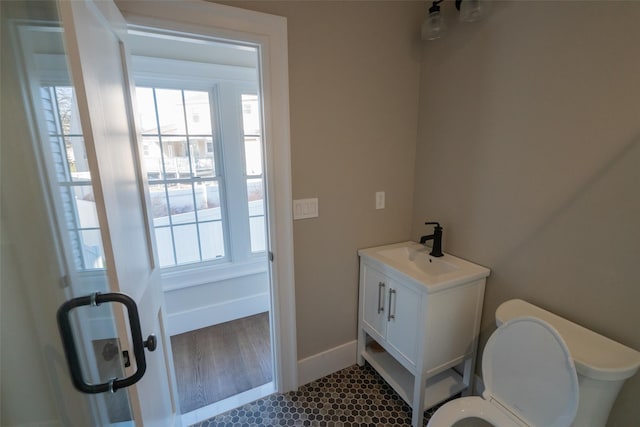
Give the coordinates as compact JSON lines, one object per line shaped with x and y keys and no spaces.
{"x":224,"y":405}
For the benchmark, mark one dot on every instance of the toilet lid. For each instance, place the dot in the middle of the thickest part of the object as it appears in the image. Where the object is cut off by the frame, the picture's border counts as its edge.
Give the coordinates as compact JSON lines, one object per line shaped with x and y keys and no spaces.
{"x":527,"y":368}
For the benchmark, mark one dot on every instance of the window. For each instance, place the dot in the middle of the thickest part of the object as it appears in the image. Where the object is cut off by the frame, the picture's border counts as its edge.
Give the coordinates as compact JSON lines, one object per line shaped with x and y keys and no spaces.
{"x":69,"y":164}
{"x":202,"y":151}
{"x":184,"y":184}
{"x":201,"y":147}
{"x":253,"y":170}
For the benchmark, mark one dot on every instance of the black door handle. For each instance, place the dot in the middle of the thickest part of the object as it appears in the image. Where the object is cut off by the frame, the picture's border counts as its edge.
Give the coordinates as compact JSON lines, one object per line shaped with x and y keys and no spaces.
{"x":71,"y":353}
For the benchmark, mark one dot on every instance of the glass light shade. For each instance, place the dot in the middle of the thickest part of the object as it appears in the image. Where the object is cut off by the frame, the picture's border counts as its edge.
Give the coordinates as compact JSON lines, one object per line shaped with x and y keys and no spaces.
{"x":433,"y":26}
{"x":472,"y":10}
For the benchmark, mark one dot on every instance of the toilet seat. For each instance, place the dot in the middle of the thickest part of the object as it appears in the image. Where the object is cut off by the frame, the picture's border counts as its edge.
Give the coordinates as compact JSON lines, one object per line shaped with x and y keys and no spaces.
{"x":473,"y":407}
{"x":529,"y":376}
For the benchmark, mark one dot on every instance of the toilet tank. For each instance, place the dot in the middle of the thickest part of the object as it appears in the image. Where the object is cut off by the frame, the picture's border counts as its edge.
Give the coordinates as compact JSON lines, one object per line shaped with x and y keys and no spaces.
{"x":602,"y":364}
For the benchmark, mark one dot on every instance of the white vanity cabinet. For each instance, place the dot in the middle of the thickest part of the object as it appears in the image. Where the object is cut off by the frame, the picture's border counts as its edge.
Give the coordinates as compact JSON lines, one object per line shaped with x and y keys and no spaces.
{"x":418,"y":321}
{"x":390,"y":312}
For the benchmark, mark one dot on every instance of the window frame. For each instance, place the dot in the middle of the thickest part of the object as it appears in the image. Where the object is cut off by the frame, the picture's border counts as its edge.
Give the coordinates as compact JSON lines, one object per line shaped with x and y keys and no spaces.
{"x":192,"y":180}
{"x":269,"y":32}
{"x":226,"y":84}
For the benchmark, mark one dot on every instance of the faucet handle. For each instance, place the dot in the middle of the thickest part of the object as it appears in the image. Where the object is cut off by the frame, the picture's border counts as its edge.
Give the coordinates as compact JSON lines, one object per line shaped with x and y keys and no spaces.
{"x":437,"y":224}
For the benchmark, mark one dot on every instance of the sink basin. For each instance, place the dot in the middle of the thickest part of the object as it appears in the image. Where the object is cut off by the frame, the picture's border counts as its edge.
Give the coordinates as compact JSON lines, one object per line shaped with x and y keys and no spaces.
{"x":418,"y":259}
{"x":412,"y":260}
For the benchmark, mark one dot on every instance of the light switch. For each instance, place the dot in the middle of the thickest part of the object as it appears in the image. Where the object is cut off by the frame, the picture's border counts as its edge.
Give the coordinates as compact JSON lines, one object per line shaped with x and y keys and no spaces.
{"x":380,"y":200}
{"x":305,"y":208}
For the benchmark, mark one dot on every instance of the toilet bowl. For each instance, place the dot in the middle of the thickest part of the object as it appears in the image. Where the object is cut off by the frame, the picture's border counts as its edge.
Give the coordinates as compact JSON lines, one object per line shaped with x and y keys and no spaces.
{"x":602,"y":364}
{"x":530,"y":380}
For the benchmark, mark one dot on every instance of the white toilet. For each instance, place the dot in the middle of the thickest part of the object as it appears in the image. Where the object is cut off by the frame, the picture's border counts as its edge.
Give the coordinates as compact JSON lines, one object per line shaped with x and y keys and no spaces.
{"x":530,"y":380}
{"x":602,"y":365}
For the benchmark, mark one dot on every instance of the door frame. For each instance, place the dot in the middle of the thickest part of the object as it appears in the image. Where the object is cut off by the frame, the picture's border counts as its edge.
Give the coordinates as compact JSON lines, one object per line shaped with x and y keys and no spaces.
{"x":270,"y":33}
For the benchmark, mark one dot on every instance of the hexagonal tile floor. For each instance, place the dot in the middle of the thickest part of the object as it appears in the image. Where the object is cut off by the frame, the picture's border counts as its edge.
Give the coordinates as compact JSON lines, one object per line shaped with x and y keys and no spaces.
{"x":356,"y":396}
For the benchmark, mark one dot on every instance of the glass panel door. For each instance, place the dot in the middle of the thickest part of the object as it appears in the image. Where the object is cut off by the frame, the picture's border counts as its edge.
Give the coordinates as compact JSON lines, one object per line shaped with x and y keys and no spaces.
{"x":78,"y":139}
{"x":65,"y":191}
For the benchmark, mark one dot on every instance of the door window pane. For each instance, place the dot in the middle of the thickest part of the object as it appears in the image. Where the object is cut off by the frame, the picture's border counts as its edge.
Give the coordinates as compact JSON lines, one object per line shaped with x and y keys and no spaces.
{"x":152,"y":157}
{"x":77,"y":159}
{"x":185,"y":239}
{"x":203,"y":160}
{"x":257,"y":226}
{"x":212,"y":240}
{"x":251,"y":119}
{"x":208,"y":199}
{"x":69,"y":164}
{"x":159,"y":205}
{"x":171,"y":112}
{"x":164,"y":242}
{"x":252,"y":136}
{"x":251,"y":114}
{"x":181,"y":203}
{"x":197,"y":106}
{"x":92,"y":249}
{"x":179,"y":153}
{"x":258,"y":235}
{"x":147,"y":119}
{"x":175,"y":152}
{"x":253,"y":155}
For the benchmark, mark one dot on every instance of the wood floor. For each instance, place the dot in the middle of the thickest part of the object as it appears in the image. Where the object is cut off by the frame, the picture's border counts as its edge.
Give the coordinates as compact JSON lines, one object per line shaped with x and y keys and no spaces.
{"x":214,"y":363}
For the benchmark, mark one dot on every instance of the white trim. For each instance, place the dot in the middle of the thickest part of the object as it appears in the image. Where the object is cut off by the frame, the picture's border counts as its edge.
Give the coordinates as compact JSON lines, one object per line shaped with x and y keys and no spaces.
{"x":197,"y":274}
{"x":190,"y":73}
{"x":202,"y":317}
{"x":280,"y":211}
{"x":322,"y":364}
{"x":217,"y":408}
{"x":269,"y":32}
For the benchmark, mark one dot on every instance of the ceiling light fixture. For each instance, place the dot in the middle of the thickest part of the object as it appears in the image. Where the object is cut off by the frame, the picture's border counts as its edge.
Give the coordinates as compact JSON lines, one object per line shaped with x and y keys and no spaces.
{"x":434,"y":25}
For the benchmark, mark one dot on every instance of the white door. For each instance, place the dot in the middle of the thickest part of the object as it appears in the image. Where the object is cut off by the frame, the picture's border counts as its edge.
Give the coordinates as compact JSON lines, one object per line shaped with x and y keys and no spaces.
{"x":404,"y":305}
{"x":97,"y":237}
{"x":374,"y":303}
{"x":94,"y":37}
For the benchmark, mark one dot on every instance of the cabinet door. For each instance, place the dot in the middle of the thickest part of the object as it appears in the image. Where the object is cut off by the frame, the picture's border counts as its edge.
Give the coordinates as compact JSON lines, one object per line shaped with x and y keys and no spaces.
{"x":374,"y":302}
{"x":402,"y":327}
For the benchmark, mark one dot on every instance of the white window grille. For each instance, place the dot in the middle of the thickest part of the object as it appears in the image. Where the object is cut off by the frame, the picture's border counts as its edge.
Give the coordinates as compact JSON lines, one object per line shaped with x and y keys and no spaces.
{"x":195,"y":210}
{"x":184,"y":183}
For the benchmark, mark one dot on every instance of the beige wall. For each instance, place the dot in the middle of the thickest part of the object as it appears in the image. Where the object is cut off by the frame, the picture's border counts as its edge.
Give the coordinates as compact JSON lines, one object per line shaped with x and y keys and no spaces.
{"x":528,"y":153}
{"x":526,"y":150}
{"x":353,"y":76}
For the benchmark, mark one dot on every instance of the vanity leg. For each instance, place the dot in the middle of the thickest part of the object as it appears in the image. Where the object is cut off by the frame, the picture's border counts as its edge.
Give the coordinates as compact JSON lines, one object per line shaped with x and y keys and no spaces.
{"x":362,"y":341}
{"x":417,"y":415}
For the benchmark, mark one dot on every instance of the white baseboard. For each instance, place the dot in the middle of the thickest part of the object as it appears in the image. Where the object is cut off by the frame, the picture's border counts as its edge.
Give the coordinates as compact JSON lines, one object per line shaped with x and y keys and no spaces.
{"x":319,"y":365}
{"x":201,"y":317}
